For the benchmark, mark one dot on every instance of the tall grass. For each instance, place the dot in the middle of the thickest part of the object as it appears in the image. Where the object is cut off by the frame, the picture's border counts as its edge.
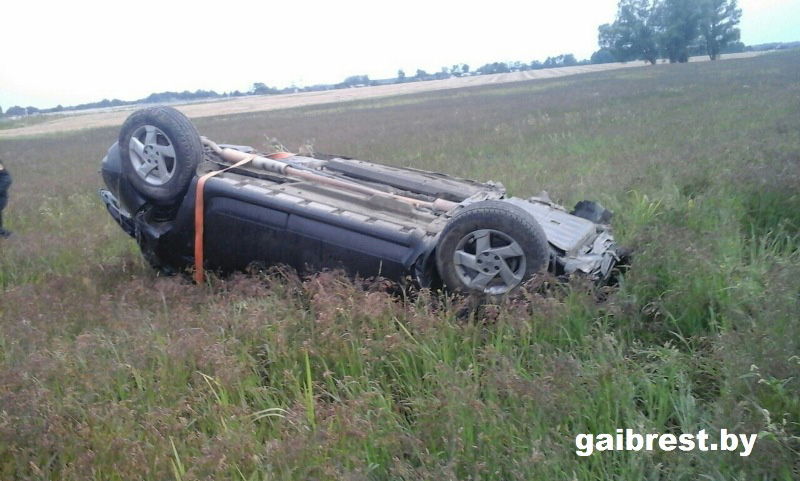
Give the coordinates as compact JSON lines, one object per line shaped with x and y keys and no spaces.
{"x":110,"y":372}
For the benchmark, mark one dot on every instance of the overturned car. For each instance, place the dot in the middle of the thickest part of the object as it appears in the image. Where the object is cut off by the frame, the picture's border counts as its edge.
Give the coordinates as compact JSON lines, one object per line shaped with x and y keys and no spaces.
{"x":191,"y":202}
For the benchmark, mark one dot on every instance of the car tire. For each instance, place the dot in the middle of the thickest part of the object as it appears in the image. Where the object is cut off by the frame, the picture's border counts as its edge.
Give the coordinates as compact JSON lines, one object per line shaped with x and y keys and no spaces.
{"x":491,"y":247}
{"x":160,"y":151}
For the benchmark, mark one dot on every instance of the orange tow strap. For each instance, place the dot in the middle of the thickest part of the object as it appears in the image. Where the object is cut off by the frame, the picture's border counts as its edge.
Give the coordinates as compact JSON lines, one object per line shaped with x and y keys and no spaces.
{"x":199,"y":204}
{"x":199,"y":207}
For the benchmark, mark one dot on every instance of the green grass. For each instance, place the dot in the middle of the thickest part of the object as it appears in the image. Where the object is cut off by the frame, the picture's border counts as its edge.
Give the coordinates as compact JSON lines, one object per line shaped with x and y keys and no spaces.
{"x":110,"y":372}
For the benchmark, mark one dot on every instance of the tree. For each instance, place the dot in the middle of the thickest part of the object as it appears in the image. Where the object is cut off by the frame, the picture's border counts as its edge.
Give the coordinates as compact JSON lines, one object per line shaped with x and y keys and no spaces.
{"x":569,"y":60}
{"x":603,"y":55}
{"x":678,"y":27}
{"x":494,"y":67}
{"x":401,"y":76}
{"x":718,"y":22}
{"x":734,"y":47}
{"x":260,"y":88}
{"x":464,"y":68}
{"x":1,"y":111}
{"x":356,"y":81}
{"x":632,"y":36}
{"x":421,"y":74}
{"x":16,"y":111}
{"x":564,"y":60}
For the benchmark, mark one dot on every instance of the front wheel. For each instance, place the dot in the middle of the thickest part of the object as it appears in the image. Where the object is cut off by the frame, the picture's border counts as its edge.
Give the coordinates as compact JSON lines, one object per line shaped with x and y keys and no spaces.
{"x":491,"y":247}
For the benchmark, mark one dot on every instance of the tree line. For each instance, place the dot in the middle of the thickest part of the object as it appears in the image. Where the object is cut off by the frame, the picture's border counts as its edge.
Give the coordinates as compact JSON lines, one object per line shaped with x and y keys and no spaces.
{"x":260,"y":88}
{"x":154,"y":98}
{"x":672,"y":29}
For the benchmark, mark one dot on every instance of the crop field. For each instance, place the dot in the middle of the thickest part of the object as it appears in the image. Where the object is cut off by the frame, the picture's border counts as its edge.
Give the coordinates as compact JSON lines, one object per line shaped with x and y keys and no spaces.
{"x":108,"y":371}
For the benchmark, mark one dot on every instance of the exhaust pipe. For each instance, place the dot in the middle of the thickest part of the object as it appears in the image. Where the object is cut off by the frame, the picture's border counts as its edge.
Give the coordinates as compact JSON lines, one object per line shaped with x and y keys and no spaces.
{"x":275,"y":166}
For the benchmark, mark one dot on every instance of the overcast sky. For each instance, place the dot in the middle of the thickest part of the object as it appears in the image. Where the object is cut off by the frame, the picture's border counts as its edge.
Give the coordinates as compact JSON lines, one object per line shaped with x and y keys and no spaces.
{"x":78,"y":51}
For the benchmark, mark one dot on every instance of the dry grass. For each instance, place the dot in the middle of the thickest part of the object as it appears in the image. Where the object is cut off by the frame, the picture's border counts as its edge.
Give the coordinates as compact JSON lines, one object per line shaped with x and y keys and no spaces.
{"x":109,"y":372}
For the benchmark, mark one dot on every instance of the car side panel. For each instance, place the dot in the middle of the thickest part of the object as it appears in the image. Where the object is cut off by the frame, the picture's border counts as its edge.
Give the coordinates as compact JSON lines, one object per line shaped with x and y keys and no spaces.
{"x":243,"y":228}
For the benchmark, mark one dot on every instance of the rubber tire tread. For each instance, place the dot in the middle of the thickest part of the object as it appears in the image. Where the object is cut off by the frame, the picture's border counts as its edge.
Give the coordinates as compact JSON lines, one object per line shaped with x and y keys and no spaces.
{"x":185,"y":139}
{"x":501,"y":216}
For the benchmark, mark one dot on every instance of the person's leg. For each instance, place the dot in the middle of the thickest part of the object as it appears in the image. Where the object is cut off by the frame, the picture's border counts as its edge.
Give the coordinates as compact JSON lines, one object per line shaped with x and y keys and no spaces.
{"x":3,"y":231}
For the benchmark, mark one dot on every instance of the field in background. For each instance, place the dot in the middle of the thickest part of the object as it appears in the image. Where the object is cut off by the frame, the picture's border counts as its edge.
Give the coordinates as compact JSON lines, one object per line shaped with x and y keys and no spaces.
{"x":109,"y":372}
{"x":45,"y":124}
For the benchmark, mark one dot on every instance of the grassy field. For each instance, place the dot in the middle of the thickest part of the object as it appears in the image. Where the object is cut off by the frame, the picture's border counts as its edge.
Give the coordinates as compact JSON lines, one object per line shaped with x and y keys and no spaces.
{"x":109,"y":372}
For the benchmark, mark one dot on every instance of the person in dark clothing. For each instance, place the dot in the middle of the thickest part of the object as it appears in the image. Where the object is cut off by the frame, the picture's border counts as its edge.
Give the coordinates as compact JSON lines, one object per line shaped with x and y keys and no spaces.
{"x":5,"y":183}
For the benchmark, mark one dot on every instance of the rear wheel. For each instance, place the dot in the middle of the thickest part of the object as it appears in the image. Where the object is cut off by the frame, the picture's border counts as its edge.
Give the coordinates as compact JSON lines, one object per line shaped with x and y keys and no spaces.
{"x":160,"y":150}
{"x":491,"y":248}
